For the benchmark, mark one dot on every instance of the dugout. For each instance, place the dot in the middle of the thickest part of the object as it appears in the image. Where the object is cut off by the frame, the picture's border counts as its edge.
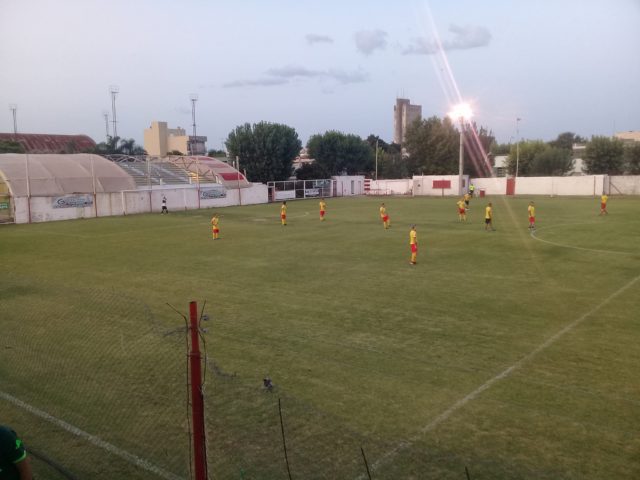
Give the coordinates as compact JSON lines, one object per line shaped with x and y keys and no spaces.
{"x":48,"y":187}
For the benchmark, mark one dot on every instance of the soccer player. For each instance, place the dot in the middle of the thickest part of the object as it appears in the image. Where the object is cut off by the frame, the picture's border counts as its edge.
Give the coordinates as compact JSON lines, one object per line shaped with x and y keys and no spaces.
{"x":467,"y":197}
{"x":472,"y":188}
{"x":283,"y":214}
{"x":603,"y":204}
{"x":531,"y":210}
{"x":413,"y":244}
{"x":384,"y":216}
{"x":164,"y":205}
{"x":214,"y":226}
{"x":488,"y":217}
{"x":323,"y":209}
{"x":14,"y":463}
{"x":462,"y":211}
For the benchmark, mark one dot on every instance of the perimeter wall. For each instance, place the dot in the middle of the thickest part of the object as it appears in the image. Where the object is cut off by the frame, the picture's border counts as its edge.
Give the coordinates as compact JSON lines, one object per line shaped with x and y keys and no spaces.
{"x":189,"y":197}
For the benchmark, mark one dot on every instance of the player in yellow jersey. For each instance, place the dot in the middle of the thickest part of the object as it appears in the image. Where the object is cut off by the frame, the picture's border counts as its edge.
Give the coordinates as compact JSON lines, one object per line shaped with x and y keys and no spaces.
{"x":467,"y":197}
{"x":214,"y":226}
{"x":488,"y":217}
{"x":323,"y":209}
{"x":283,"y":214}
{"x":413,"y":244}
{"x":462,"y":212}
{"x":531,"y":210}
{"x":603,"y":204}
{"x":384,"y":216}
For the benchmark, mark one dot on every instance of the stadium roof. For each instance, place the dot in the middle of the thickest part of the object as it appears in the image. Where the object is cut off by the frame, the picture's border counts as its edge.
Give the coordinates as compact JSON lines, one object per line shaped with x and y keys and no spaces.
{"x":51,"y":174}
{"x":44,"y":143}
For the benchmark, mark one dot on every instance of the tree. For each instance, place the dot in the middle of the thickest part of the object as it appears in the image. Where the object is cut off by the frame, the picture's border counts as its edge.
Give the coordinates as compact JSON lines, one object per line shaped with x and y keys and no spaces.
{"x":433,"y":147}
{"x":552,"y":161}
{"x":477,"y":144}
{"x":604,"y":155}
{"x":632,"y":158}
{"x":11,"y":146}
{"x":266,"y":150}
{"x":566,"y":140}
{"x":117,"y":145}
{"x":176,"y":153}
{"x":311,"y":171}
{"x":340,"y":153}
{"x":216,"y":153}
{"x":524,"y":161}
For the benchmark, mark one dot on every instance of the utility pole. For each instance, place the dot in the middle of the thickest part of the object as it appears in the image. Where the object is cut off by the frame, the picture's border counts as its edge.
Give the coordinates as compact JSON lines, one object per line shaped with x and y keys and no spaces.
{"x":194,"y":98}
{"x":14,"y":108}
{"x":114,"y":90}
{"x":517,"y":144}
{"x":377,"y":139}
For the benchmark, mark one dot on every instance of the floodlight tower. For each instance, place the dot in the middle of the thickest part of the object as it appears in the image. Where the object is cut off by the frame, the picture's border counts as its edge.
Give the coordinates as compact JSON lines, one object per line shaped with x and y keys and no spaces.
{"x":462,"y":113}
{"x":194,"y":98}
{"x":114,"y":90}
{"x":14,"y":108}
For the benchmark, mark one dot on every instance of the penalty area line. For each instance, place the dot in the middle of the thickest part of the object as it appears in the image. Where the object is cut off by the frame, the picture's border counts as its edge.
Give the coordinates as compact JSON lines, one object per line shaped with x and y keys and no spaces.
{"x":391,"y":454}
{"x":98,"y":442}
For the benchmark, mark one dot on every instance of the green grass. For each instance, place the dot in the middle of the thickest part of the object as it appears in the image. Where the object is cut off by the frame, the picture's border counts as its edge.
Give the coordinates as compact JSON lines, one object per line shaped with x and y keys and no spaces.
{"x":365,"y":350}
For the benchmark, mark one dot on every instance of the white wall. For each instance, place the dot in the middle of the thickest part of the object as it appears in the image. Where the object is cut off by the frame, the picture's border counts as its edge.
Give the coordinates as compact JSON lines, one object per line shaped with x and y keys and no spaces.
{"x":624,"y":185}
{"x":491,"y":186}
{"x":423,"y":185}
{"x":390,"y":187}
{"x":136,"y":201}
{"x":344,"y":186}
{"x":583,"y":185}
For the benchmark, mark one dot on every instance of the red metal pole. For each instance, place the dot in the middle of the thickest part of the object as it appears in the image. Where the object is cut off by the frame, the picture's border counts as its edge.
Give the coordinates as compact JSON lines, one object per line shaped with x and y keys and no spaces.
{"x":197,"y":404}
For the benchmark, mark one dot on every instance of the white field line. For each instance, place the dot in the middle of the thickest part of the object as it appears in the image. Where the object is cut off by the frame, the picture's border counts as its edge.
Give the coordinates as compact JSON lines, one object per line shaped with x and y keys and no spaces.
{"x":129,"y":457}
{"x":389,"y":456}
{"x":615,"y":252}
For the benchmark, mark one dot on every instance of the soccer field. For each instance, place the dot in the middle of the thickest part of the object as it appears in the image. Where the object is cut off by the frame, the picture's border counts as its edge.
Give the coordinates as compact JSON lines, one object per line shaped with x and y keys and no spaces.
{"x":511,"y":354}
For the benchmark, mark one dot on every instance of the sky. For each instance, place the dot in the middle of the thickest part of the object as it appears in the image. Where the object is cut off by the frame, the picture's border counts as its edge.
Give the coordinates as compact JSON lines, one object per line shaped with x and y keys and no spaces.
{"x":315,"y":65}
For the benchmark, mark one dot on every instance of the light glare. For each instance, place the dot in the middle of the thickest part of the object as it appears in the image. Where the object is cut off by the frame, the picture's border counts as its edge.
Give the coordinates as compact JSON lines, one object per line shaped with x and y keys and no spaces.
{"x":461,"y":111}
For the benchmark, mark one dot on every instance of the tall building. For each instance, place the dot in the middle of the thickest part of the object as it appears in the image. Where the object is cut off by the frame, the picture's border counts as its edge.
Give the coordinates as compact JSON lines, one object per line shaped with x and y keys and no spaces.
{"x":404,"y":114}
{"x":159,"y":140}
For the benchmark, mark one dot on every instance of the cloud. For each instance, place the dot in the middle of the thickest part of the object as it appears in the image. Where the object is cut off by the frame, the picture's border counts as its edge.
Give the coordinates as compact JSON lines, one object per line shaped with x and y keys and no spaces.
{"x":260,"y":82}
{"x":368,"y":41}
{"x":289,"y":73}
{"x":340,"y":76}
{"x":315,"y":38}
{"x":464,"y":38}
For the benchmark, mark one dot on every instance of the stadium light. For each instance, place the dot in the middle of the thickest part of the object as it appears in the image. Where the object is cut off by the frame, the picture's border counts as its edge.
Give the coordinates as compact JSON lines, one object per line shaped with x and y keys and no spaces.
{"x":462,"y":113}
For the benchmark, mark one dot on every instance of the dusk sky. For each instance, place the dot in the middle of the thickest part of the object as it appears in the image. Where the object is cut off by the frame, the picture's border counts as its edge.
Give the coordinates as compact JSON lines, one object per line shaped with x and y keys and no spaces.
{"x":319,"y":65}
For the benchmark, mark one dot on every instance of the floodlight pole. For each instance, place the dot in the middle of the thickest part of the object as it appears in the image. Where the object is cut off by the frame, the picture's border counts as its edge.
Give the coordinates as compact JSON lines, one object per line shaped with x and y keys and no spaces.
{"x":106,"y":124}
{"x":197,"y":403}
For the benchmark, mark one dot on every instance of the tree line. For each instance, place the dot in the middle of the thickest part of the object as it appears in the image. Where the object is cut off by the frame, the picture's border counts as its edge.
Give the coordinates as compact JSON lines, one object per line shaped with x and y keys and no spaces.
{"x":267,"y":151}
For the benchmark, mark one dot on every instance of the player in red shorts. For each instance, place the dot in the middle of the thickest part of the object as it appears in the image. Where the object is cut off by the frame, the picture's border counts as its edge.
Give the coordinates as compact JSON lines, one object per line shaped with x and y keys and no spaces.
{"x":413,"y":243}
{"x":323,"y":209}
{"x":603,"y":204}
{"x":531,"y":210}
{"x":384,"y":216}
{"x":283,"y":214}
{"x":214,"y":227}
